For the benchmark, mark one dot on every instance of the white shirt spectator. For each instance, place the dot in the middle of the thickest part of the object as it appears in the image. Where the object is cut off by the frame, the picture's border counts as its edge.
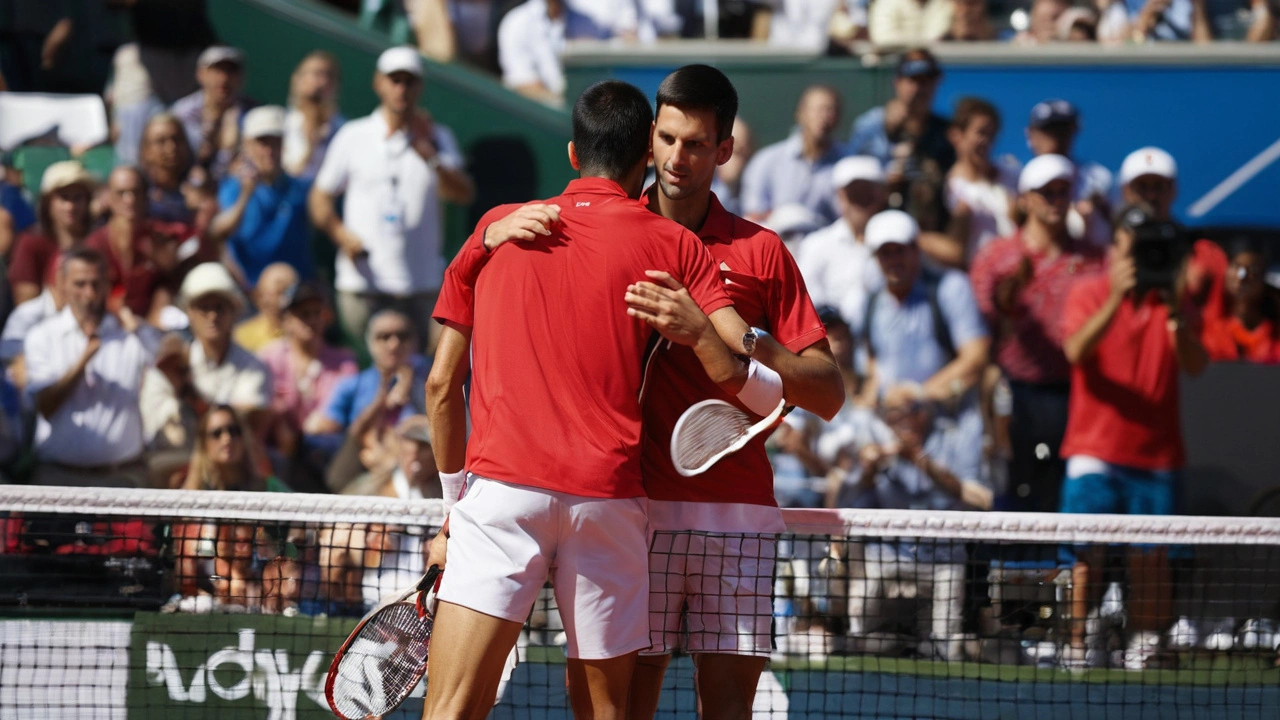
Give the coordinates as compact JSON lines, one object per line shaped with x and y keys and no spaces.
{"x":988,"y":201}
{"x":23,"y":318}
{"x":908,"y":22}
{"x":801,"y":23}
{"x":242,"y":380}
{"x":101,"y":422}
{"x":1092,"y":180}
{"x":392,"y":204}
{"x":839,"y":271}
{"x":530,"y":43}
{"x":298,"y":152}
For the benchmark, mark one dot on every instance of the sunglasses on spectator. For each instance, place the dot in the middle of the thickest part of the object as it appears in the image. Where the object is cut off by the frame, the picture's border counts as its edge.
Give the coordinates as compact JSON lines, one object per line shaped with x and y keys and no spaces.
{"x":1053,"y":193}
{"x":218,"y":432}
{"x":401,"y":335}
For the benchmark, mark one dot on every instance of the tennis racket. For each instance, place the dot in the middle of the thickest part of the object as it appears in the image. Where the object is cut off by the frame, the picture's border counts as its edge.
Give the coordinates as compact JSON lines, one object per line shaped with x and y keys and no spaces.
{"x":385,"y":657}
{"x":712,"y":429}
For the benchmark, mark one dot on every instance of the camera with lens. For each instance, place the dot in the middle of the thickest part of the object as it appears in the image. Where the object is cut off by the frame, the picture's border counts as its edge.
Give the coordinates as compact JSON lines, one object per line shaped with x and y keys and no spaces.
{"x":1159,"y":248}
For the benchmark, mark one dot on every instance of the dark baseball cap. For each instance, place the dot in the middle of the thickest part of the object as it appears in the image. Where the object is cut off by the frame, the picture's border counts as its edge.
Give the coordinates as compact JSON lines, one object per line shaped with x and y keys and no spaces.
{"x":301,"y":292}
{"x":919,"y":64}
{"x":1053,"y":112}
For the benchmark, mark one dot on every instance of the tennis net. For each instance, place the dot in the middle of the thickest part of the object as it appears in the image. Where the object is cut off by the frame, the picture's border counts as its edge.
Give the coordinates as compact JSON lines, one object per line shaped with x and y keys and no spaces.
{"x":151,"y":604}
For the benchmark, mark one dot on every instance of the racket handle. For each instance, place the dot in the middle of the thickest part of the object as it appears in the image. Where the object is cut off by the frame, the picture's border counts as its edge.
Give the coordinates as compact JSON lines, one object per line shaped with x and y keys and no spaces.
{"x":432,"y":577}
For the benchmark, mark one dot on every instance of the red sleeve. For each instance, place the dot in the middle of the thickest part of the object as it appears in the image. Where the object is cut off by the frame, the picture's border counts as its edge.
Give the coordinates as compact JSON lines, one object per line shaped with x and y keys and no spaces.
{"x":1083,"y":301}
{"x":457,"y":294}
{"x":700,"y":275}
{"x":28,"y":260}
{"x":793,"y":321}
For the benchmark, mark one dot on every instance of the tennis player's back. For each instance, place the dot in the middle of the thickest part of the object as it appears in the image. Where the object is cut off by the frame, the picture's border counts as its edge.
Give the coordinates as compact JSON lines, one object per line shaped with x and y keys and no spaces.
{"x":557,"y":361}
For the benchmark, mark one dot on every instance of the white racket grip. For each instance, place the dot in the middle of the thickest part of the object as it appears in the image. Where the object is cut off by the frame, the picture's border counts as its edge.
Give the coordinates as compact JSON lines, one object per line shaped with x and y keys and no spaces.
{"x":763,"y":389}
{"x":451,"y":485}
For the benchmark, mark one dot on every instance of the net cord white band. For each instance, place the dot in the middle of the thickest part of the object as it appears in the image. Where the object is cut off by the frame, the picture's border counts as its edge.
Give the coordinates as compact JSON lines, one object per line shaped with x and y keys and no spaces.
{"x":878,"y":524}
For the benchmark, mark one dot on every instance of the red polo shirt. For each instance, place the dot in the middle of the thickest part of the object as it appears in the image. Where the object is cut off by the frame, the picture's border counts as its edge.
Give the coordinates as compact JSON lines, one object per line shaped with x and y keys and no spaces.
{"x":1029,"y":340}
{"x":556,"y":360}
{"x":1124,"y":397}
{"x":764,"y":283}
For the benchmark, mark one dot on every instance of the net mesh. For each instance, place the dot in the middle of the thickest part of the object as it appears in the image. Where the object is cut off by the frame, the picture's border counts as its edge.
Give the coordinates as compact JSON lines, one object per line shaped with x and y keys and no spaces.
{"x":705,"y":430}
{"x":124,"y":604}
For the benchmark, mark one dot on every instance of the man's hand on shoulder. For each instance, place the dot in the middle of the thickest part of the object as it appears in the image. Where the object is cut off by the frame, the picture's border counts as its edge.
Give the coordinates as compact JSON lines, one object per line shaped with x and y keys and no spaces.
{"x":528,"y":222}
{"x":667,"y":307}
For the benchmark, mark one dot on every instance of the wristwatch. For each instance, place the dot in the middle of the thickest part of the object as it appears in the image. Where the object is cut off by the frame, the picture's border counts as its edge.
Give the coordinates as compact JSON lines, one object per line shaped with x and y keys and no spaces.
{"x":749,"y":341}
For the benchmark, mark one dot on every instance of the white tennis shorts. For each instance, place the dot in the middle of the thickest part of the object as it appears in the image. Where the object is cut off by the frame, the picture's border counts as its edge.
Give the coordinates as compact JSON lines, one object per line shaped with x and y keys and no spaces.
{"x":726,"y":581}
{"x":505,"y":539}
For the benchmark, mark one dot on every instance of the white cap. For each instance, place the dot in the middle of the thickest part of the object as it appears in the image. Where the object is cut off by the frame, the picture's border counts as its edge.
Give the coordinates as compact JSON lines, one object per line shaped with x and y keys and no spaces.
{"x":401,"y":58}
{"x":264,"y":121}
{"x":65,"y":173}
{"x":1148,"y":161}
{"x":792,"y":218}
{"x":210,"y":278}
{"x":1043,"y":170}
{"x":856,"y":167}
{"x":215,"y":54}
{"x":890,"y":226}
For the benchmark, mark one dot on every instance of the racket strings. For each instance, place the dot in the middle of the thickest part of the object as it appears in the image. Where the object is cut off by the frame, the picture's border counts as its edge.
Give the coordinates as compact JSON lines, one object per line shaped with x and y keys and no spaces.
{"x":383,"y":663}
{"x":707,"y":432}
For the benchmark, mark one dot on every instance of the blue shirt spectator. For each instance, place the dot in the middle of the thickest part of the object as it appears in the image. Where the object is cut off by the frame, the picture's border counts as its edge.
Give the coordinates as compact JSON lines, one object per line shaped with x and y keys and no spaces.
{"x":16,"y":205}
{"x":352,"y":395}
{"x":797,"y":170}
{"x":274,"y":228}
{"x":904,"y":333}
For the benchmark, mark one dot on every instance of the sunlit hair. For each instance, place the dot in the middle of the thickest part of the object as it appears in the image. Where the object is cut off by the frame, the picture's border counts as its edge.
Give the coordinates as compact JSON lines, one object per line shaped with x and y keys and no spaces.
{"x":202,"y":474}
{"x":331,"y":104}
{"x":186,"y":156}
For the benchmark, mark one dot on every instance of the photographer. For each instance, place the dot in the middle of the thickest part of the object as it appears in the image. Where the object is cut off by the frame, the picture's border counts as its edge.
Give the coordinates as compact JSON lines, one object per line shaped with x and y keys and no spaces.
{"x":1128,"y":333}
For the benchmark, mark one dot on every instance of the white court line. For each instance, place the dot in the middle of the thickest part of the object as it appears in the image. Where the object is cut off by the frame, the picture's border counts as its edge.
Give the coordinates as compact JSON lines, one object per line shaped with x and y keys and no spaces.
{"x":1236,"y":179}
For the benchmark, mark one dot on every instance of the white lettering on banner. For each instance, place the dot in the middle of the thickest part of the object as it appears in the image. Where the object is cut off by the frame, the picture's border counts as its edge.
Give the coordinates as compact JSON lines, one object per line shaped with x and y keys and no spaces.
{"x":263,"y":672}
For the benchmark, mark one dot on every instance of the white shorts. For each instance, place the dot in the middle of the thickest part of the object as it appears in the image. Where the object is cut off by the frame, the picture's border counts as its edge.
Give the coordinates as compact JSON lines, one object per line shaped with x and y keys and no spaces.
{"x":726,"y":580}
{"x":504,"y":541}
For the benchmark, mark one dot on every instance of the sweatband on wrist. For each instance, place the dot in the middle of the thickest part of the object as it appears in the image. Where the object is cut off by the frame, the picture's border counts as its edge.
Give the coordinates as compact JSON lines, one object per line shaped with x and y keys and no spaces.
{"x":763,"y":389}
{"x":451,"y":485}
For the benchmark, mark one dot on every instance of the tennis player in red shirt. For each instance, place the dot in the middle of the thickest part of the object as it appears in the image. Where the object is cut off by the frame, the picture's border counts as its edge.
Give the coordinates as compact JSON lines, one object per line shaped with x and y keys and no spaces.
{"x":714,"y":544}
{"x":554,"y":483}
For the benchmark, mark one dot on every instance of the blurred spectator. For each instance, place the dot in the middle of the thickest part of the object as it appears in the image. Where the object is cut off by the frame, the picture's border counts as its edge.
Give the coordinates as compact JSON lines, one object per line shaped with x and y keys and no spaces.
{"x":20,"y":323}
{"x":801,"y":24}
{"x":392,"y":387}
{"x":414,"y":475}
{"x":432,"y":28}
{"x":139,"y":252}
{"x":1169,"y":20}
{"x":224,"y":457}
{"x":395,"y":167}
{"x":1042,"y":26}
{"x":1264,"y":27}
{"x":171,"y":35}
{"x":1078,"y":24}
{"x":848,"y":25}
{"x":727,"y":184}
{"x":1252,"y":330}
{"x":166,"y":160}
{"x":304,"y":370}
{"x":837,"y":266}
{"x":798,"y":169}
{"x":793,"y":223}
{"x":980,"y":193}
{"x":1123,"y":442}
{"x":970,"y":22}
{"x":13,"y":202}
{"x":1052,"y":130}
{"x":1021,"y":282}
{"x":531,"y":39}
{"x":84,"y":369}
{"x":264,"y":210}
{"x":1113,"y":22}
{"x":923,"y":333}
{"x":64,"y":223}
{"x":909,"y":22}
{"x":1149,"y":176}
{"x":368,"y":406}
{"x":220,"y":370}
{"x":12,"y":439}
{"x":911,"y":141}
{"x":171,"y":410}
{"x":269,"y":298}
{"x":211,"y":116}
{"x":313,"y":118}
{"x":132,"y":100}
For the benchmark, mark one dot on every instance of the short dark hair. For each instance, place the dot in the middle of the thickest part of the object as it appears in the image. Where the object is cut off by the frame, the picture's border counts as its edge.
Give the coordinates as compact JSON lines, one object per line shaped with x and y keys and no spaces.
{"x":86,"y":255}
{"x":611,"y":124}
{"x":702,"y":87}
{"x":968,"y":108}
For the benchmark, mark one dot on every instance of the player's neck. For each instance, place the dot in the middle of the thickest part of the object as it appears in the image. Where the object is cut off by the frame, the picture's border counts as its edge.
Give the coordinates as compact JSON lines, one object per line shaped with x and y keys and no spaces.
{"x":691,"y":212}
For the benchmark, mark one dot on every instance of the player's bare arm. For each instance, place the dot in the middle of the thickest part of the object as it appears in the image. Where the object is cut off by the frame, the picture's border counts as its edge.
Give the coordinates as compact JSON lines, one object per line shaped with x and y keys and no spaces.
{"x":528,"y":222}
{"x":447,"y":415}
{"x":672,"y":312}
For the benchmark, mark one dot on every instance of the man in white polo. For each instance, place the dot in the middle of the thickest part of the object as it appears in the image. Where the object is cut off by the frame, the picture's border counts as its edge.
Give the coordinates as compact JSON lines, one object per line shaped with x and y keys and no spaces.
{"x":85,"y":370}
{"x":395,"y":167}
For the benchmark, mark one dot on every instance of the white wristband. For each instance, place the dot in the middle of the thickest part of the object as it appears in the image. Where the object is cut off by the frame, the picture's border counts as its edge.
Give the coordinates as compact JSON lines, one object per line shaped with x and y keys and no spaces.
{"x":451,"y":485}
{"x":763,"y":390}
